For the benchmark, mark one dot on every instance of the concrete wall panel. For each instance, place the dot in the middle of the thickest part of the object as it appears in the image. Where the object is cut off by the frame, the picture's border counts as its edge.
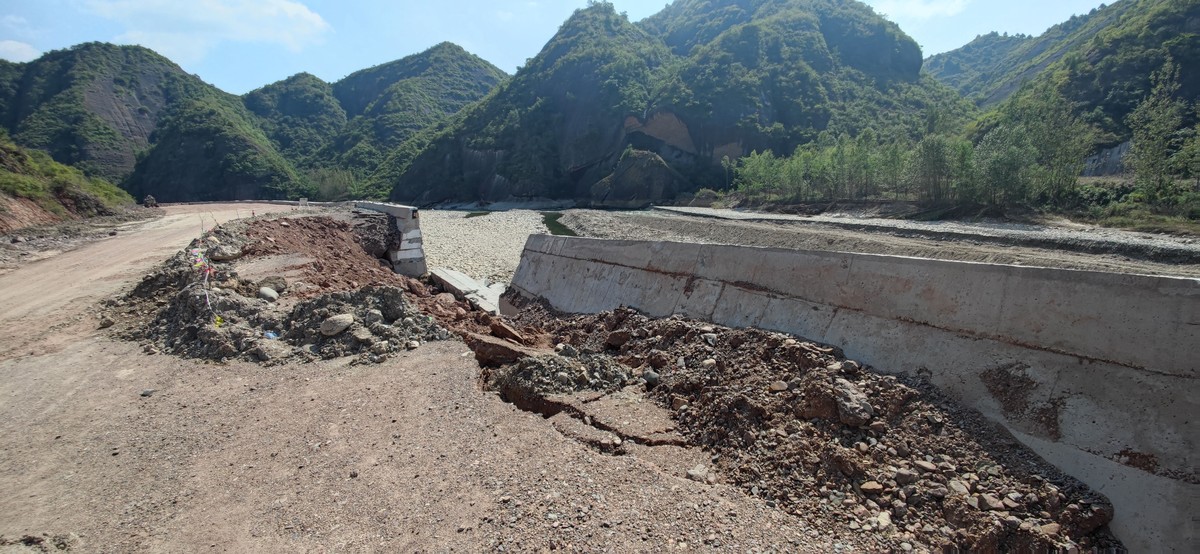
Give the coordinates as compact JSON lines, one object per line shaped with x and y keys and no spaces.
{"x":1107,"y":362}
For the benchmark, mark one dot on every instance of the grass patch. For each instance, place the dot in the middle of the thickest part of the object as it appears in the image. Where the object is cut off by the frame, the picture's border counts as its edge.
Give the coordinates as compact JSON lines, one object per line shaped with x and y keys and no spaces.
{"x":476,"y":214}
{"x":1152,"y":224}
{"x":550,"y":219}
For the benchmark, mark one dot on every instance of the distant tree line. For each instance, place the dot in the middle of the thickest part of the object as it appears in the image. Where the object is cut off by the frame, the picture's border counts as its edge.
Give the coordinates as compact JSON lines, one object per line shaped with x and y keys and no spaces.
{"x":1029,"y":152}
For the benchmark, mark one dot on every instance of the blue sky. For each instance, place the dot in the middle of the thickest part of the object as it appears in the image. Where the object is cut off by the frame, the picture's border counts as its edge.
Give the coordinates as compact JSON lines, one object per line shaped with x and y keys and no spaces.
{"x":240,"y":45}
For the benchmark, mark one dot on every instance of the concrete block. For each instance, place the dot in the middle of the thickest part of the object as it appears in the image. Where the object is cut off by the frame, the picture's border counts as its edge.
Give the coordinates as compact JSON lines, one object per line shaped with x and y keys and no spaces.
{"x":464,"y":287}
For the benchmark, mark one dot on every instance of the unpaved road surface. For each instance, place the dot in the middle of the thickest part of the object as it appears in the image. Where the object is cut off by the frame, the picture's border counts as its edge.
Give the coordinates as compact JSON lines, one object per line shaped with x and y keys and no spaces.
{"x":104,"y":448}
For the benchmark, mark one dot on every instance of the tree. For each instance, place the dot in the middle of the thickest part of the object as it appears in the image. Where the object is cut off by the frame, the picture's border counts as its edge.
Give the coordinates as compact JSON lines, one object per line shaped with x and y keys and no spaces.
{"x":1154,"y":123}
{"x":1060,"y":140}
{"x":932,"y":168}
{"x":1003,"y":159}
{"x":1187,"y":160}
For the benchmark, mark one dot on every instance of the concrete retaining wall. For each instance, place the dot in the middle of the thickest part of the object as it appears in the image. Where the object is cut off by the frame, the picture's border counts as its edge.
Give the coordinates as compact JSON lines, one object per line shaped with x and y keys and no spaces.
{"x":1094,"y":371}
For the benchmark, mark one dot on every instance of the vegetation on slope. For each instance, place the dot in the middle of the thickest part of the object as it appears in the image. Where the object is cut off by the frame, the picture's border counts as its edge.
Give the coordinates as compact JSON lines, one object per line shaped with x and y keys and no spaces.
{"x":772,"y":74}
{"x":56,"y":188}
{"x":207,"y":150}
{"x":389,"y":103}
{"x":299,"y":114}
{"x":561,"y":114}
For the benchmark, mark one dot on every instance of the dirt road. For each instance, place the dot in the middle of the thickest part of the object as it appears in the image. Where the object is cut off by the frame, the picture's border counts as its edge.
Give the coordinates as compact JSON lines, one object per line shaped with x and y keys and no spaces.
{"x":104,"y":448}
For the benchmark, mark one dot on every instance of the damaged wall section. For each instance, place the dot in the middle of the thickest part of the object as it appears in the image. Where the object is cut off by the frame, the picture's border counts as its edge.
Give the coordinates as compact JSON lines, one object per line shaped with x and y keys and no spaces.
{"x":406,"y":253}
{"x":1096,"y":372}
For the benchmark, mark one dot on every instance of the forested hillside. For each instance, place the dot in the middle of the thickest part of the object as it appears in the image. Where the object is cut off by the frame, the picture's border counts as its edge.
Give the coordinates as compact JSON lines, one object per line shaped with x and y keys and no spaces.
{"x":1101,"y":63}
{"x":703,"y":82}
{"x":130,"y":116}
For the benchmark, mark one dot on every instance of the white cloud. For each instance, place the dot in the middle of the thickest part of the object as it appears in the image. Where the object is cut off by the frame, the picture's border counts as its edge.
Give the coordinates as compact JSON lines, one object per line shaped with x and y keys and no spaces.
{"x":186,"y":31}
{"x":14,"y":51}
{"x":919,"y":9}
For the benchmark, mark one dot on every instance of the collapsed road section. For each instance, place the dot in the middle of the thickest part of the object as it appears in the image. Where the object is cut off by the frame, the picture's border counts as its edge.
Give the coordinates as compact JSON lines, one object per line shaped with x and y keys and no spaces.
{"x":1093,"y":371}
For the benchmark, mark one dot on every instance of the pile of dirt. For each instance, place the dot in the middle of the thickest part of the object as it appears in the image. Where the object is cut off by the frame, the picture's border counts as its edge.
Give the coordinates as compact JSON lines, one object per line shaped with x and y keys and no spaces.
{"x":196,"y":305}
{"x":796,"y":424}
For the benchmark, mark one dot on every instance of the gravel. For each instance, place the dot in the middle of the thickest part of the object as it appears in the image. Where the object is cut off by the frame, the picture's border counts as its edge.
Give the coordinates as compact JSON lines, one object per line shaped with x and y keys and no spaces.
{"x":485,"y":247}
{"x":1075,"y":237}
{"x":1011,"y":244}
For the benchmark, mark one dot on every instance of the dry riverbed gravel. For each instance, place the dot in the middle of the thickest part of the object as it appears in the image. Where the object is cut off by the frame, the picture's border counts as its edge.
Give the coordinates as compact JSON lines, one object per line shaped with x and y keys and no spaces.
{"x":482,"y":246}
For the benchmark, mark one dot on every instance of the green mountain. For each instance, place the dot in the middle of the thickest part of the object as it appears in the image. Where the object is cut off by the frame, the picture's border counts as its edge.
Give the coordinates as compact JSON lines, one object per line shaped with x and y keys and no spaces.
{"x":701,"y":81}
{"x":36,"y":189}
{"x":299,"y":114}
{"x":387,"y":104}
{"x":983,"y":62}
{"x":208,"y":150}
{"x":94,"y":105}
{"x":128,"y":115}
{"x":1100,"y":63}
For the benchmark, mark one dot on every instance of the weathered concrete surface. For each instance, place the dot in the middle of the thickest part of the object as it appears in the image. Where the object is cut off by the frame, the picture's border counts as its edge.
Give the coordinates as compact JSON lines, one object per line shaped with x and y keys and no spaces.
{"x":1094,"y":371}
{"x":408,"y":257}
{"x":461,"y":285}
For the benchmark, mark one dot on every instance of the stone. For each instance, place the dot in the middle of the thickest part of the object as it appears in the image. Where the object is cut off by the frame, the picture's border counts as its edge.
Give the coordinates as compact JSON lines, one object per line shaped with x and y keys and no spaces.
{"x":1050,"y":529}
{"x":275,"y":282}
{"x":990,"y":502}
{"x":878,"y":427}
{"x":853,"y":408}
{"x":905,"y":476}
{"x":380,"y":347}
{"x":268,"y":350}
{"x":925,"y":466}
{"x":148,"y":392}
{"x":958,"y":487}
{"x":106,"y":322}
{"x":779,"y":386}
{"x":335,"y":325}
{"x":708,"y":364}
{"x":710,"y":338}
{"x":373,"y":317}
{"x":678,"y":403}
{"x":617,"y":339}
{"x":505,"y":331}
{"x":884,"y":520}
{"x":268,"y":294}
{"x":698,"y":474}
{"x":790,"y":342}
{"x":871,"y":487}
{"x":651,"y":378}
{"x":362,"y":334}
{"x":413,"y":344}
{"x":224,"y":253}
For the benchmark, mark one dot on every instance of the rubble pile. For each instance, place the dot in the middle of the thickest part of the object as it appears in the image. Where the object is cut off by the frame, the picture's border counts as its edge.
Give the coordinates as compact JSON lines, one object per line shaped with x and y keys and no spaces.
{"x":196,"y":305}
{"x":798,"y":425}
{"x":530,"y":380}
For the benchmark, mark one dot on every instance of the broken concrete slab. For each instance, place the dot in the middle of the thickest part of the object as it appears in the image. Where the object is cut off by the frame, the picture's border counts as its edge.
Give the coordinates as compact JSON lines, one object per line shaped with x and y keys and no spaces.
{"x":462,"y":286}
